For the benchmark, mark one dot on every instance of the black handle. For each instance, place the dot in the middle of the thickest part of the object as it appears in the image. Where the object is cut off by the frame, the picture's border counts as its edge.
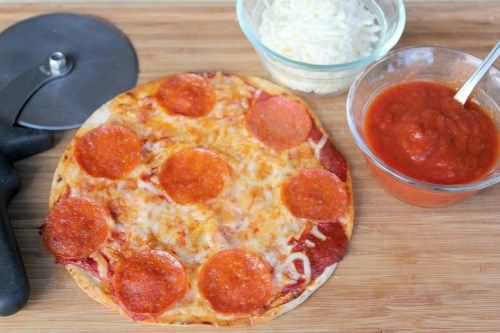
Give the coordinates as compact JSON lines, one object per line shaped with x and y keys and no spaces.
{"x":14,"y":285}
{"x":17,"y":143}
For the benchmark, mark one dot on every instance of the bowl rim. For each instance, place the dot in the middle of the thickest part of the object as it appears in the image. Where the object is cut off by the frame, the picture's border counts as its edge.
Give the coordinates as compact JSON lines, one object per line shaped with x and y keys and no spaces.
{"x":363,"y":146}
{"x":377,"y":53}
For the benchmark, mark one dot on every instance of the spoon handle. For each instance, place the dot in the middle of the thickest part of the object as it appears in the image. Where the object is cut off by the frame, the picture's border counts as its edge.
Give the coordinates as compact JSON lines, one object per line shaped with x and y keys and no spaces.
{"x":464,"y":92}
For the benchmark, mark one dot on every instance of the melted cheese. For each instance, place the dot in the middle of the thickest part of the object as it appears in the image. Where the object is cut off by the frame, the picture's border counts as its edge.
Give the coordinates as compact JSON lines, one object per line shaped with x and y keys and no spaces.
{"x":149,"y":187}
{"x":102,"y":265}
{"x":316,"y":233}
{"x":306,"y":264}
{"x":318,"y":146}
{"x":309,"y":243}
{"x":248,"y":213}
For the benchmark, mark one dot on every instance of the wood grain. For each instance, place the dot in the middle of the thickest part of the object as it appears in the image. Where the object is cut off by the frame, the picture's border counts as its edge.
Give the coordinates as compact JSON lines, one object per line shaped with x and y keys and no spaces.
{"x":407,"y":268}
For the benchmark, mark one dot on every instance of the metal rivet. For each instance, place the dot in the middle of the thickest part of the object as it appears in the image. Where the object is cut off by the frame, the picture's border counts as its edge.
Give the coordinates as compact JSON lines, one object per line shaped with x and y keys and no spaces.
{"x":57,"y":60}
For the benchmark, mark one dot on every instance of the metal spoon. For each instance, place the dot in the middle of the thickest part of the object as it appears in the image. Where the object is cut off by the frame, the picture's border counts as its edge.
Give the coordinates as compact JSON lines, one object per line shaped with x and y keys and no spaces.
{"x":464,"y":92}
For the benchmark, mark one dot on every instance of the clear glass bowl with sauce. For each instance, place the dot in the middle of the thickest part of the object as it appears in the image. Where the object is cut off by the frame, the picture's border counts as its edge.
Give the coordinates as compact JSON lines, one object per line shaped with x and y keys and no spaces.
{"x":442,"y":65}
{"x":331,"y":79}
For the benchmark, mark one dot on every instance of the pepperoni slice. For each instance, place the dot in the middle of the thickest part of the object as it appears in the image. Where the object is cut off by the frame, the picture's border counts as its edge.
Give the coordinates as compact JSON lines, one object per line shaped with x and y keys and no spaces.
{"x":193,"y":175}
{"x":324,"y":251}
{"x":315,"y":194}
{"x":74,"y":228}
{"x":149,"y":282}
{"x":186,"y":94}
{"x":109,"y":151}
{"x":236,"y":281}
{"x":279,"y":122}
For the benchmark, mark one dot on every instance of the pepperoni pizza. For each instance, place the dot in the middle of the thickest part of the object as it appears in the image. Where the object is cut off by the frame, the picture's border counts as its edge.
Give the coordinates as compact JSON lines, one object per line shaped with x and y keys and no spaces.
{"x":201,"y":199}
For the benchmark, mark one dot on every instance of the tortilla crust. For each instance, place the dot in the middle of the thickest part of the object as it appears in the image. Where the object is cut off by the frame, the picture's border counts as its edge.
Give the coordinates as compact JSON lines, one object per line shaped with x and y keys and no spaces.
{"x":90,"y":285}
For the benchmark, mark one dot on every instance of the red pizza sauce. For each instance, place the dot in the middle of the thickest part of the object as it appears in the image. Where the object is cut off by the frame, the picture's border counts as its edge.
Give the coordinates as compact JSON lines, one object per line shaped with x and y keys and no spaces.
{"x":418,"y":129}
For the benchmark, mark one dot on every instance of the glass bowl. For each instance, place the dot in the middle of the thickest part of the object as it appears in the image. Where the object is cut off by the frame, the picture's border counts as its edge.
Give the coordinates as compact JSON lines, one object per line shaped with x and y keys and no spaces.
{"x":331,"y":79}
{"x":444,"y":65}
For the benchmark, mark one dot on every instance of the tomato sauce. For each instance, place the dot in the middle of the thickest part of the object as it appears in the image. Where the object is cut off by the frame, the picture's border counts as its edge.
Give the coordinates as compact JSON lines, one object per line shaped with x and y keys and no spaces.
{"x":418,"y":129}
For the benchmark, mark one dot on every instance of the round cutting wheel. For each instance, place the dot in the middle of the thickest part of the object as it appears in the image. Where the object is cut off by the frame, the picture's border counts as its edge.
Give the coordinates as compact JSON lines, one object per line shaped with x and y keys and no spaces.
{"x":105,"y":65}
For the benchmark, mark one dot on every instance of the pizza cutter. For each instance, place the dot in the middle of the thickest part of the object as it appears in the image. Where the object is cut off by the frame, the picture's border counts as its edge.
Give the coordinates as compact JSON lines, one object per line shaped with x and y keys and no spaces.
{"x":55,"y":70}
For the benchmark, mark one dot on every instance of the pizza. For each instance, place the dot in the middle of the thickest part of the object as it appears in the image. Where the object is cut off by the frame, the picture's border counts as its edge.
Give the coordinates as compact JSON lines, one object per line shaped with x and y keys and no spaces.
{"x":201,"y":198}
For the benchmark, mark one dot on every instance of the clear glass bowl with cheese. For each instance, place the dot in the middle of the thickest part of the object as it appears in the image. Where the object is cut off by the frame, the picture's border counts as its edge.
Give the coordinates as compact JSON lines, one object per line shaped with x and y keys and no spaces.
{"x":319,"y":46}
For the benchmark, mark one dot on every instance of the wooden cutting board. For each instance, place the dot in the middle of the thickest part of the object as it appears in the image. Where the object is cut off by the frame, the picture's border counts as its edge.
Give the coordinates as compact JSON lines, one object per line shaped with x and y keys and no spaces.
{"x":406,"y":268}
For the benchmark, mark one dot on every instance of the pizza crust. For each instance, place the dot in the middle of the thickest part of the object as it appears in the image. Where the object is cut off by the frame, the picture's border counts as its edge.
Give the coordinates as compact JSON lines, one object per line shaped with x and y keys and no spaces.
{"x":90,"y":285}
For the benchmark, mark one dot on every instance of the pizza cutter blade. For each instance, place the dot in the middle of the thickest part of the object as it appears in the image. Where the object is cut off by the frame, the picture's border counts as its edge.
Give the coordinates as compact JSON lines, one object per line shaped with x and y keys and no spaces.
{"x":105,"y":65}
{"x":55,"y":70}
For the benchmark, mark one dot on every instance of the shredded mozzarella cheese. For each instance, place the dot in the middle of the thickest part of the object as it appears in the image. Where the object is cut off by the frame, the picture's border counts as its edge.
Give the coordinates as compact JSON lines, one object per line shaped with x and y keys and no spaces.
{"x":319,"y":32}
